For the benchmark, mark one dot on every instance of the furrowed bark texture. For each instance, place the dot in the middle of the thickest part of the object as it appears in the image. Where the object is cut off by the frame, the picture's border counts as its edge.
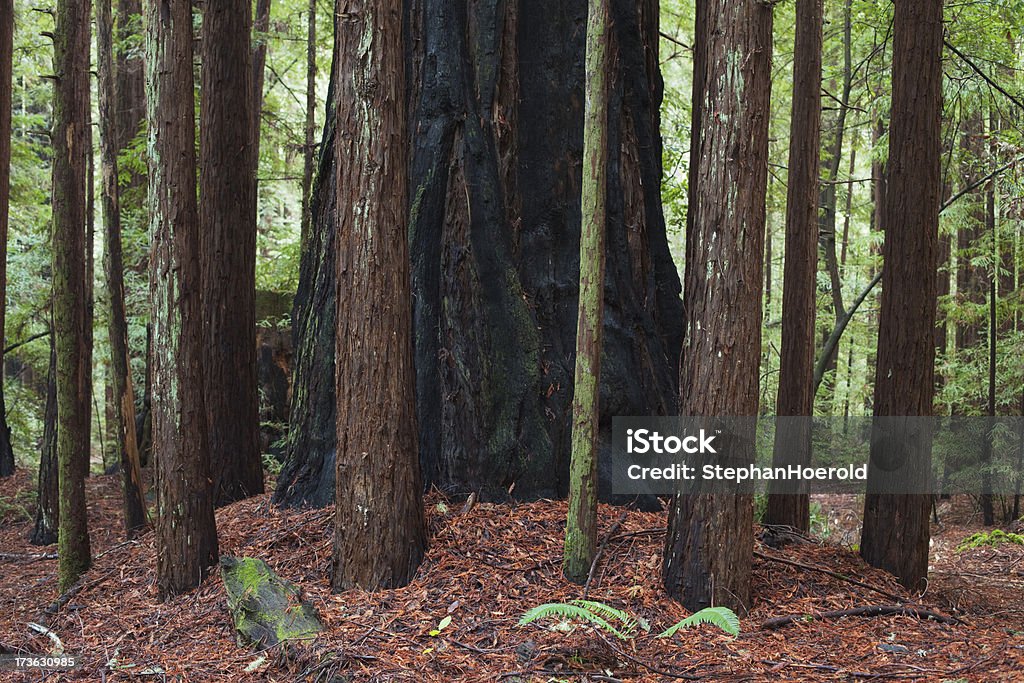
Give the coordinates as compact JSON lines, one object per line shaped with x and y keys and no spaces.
{"x":227,"y":213}
{"x":896,"y":534}
{"x":380,"y":533}
{"x":186,"y":535}
{"x":710,"y":537}
{"x":70,"y":289}
{"x":581,"y":525}
{"x":6,"y":88}
{"x":799,"y":301}
{"x":494,"y":210}
{"x":123,"y":403}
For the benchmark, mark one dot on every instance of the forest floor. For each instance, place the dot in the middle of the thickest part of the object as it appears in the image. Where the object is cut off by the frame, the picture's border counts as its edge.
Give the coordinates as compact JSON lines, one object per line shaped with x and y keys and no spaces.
{"x":484,"y":568}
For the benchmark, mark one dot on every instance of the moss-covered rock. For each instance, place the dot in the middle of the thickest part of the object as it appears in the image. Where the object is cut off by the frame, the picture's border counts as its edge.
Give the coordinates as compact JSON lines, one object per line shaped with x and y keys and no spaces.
{"x":266,"y":609}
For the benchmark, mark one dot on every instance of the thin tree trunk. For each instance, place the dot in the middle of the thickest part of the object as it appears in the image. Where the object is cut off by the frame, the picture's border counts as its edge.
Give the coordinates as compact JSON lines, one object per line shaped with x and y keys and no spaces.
{"x":6,"y":89}
{"x":380,"y":534}
{"x":309,"y":149}
{"x":581,"y":526}
{"x":227,"y":214}
{"x":71,"y":154}
{"x":186,"y":533}
{"x":123,"y":403}
{"x":896,"y":534}
{"x":986,"y":499}
{"x":709,"y":544}
{"x":260,"y":27}
{"x":796,"y":370}
{"x":44,"y":532}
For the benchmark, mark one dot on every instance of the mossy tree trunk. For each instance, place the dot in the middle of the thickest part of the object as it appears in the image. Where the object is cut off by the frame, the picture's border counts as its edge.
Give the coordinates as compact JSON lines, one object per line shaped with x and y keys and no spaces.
{"x":227,"y":213}
{"x":896,"y":533}
{"x":123,"y":403}
{"x":186,"y":533}
{"x":709,"y":544}
{"x":495,"y":214}
{"x":581,"y":525}
{"x":380,"y":534}
{"x":799,"y":301}
{"x":71,"y":153}
{"x":6,"y":88}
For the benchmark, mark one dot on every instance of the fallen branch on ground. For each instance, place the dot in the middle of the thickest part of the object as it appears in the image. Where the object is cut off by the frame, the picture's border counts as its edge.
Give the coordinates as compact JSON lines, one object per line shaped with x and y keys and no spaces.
{"x":868,"y":611}
{"x":829,"y":572}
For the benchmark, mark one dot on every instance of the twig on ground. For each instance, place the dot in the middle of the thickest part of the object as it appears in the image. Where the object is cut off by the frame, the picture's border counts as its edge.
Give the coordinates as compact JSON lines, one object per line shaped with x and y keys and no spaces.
{"x":829,"y":572}
{"x":600,"y":551}
{"x":867,"y":611}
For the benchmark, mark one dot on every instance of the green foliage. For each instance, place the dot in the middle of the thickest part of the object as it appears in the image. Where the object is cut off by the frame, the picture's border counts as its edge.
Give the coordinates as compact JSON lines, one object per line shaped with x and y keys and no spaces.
{"x":990,"y":539}
{"x":722,"y":617}
{"x":599,"y":614}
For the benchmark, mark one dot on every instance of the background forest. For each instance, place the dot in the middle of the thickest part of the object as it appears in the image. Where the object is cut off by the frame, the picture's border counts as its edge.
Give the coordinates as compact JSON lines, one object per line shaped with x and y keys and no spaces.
{"x":405,"y":278}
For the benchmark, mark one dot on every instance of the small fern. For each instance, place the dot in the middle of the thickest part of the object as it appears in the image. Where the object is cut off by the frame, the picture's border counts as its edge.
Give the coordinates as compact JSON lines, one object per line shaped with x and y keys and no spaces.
{"x":722,"y":617}
{"x":596,"y":613}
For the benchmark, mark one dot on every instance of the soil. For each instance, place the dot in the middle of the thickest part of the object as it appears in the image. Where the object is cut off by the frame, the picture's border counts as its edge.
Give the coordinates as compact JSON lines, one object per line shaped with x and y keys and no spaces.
{"x":486,"y":566}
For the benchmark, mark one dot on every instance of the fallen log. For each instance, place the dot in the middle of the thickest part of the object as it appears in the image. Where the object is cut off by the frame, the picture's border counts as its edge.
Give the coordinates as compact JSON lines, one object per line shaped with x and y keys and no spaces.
{"x":867,"y":611}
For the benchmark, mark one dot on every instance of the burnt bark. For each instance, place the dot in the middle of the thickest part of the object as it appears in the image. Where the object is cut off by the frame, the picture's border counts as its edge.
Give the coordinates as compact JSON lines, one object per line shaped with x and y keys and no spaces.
{"x":800,"y":269}
{"x":186,"y":533}
{"x":227,"y":214}
{"x":6,"y":88}
{"x":380,"y":532}
{"x":496,"y":164}
{"x":896,"y":532}
{"x":709,"y":545}
{"x":44,"y":532}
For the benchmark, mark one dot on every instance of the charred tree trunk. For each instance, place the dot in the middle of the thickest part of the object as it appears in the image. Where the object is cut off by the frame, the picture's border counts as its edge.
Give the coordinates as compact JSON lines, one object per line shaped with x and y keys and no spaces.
{"x":186,"y":533}
{"x":380,"y":533}
{"x":123,"y":402}
{"x":227,"y":213}
{"x":799,"y":300}
{"x":495,"y":215}
{"x":6,"y":88}
{"x":709,"y":544}
{"x":70,"y":290}
{"x":896,"y":533}
{"x":48,"y":500}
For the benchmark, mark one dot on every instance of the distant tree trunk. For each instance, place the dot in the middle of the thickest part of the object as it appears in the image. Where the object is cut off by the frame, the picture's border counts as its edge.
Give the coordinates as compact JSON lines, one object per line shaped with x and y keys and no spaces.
{"x":70,"y":290}
{"x":879,"y":172}
{"x":494,"y":197}
{"x":828,"y":196}
{"x":896,"y":534}
{"x":986,"y":499}
{"x":186,"y":533}
{"x":581,"y":526}
{"x":970,"y":278}
{"x":48,"y":501}
{"x":227,"y":214}
{"x":710,"y":537}
{"x":130,"y":76}
{"x":799,"y":300}
{"x":380,"y":534}
{"x":123,"y":402}
{"x":309,"y":148}
{"x":6,"y":88}
{"x":260,"y":27}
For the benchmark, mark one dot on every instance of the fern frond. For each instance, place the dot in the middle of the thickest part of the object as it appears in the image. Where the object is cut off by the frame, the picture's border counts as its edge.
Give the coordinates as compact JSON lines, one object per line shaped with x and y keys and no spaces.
{"x":608,"y":612}
{"x":722,"y":617}
{"x":569,"y":611}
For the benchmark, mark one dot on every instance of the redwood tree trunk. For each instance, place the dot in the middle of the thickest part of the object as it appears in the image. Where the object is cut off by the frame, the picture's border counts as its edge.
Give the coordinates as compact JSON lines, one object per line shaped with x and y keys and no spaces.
{"x":186,"y":534}
{"x":709,"y":543}
{"x":123,"y":402}
{"x":71,"y":153}
{"x":495,"y":215}
{"x":6,"y":56}
{"x":380,"y":533}
{"x":227,"y":213}
{"x":896,"y":534}
{"x":799,"y":301}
